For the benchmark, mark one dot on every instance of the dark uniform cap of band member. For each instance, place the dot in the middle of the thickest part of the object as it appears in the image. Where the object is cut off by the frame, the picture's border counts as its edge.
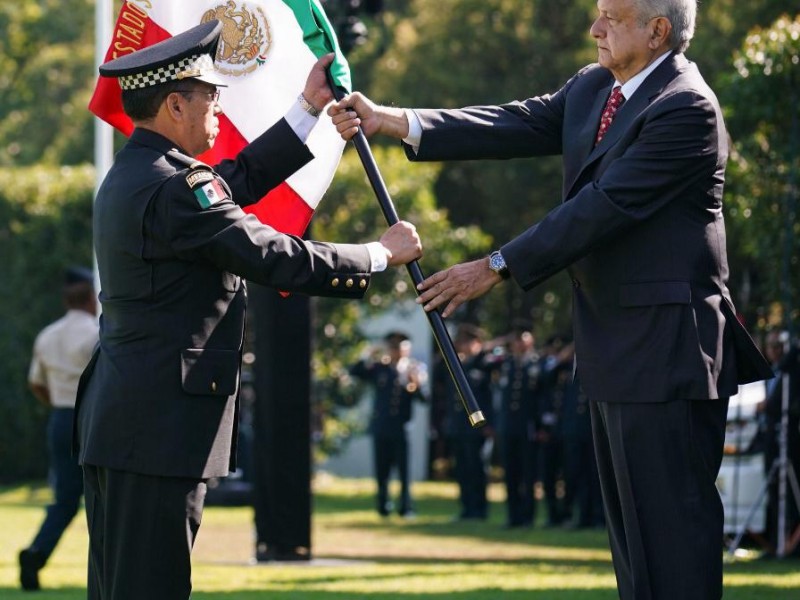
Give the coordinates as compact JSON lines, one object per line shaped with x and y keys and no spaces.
{"x":187,"y":55}
{"x":396,"y":336}
{"x":76,"y":274}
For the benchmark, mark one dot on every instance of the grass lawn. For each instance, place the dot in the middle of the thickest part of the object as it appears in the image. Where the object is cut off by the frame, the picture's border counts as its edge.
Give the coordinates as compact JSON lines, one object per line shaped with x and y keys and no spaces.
{"x":360,"y":556}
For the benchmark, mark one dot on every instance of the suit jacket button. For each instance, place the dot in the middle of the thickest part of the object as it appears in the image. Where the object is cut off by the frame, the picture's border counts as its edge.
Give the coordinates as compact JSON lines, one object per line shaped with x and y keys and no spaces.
{"x":349,"y":283}
{"x":362,"y":284}
{"x":213,"y":386}
{"x":335,"y":282}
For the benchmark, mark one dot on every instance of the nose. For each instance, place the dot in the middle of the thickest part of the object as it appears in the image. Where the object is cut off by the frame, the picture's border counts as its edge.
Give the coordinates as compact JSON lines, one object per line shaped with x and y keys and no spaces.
{"x":217,"y":108}
{"x":596,"y":30}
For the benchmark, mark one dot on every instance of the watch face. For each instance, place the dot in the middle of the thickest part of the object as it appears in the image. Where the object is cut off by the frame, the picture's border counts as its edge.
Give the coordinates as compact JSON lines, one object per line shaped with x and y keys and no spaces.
{"x":496,"y":262}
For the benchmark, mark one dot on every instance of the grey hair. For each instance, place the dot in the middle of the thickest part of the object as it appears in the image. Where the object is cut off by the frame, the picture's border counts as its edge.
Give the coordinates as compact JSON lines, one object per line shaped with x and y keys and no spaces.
{"x":680,"y":13}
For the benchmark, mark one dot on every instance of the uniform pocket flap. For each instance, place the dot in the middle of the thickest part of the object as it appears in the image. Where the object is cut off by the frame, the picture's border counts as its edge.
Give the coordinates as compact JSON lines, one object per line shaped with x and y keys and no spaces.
{"x":209,"y":372}
{"x":655,"y":292}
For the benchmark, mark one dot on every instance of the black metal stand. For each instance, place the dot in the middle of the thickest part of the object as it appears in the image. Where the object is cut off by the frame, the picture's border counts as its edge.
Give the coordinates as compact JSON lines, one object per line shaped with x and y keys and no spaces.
{"x":784,"y":470}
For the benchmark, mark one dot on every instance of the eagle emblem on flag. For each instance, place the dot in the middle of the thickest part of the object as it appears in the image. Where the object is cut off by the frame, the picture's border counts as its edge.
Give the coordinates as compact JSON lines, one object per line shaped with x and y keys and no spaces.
{"x":246,"y":38}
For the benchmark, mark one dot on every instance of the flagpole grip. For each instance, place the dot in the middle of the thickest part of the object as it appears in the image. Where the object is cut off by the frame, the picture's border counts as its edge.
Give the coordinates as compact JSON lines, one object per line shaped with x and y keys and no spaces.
{"x":440,"y":333}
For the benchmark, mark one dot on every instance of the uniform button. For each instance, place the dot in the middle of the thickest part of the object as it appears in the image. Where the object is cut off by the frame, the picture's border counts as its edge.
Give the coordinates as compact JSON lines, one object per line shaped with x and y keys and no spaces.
{"x":349,"y":283}
{"x":576,"y":283}
{"x":213,"y":386}
{"x":335,"y":282}
{"x":362,"y":284}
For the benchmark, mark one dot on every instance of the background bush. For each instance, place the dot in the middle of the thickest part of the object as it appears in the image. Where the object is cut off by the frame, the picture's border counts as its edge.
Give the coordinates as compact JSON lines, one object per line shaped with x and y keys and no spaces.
{"x":45,"y":226}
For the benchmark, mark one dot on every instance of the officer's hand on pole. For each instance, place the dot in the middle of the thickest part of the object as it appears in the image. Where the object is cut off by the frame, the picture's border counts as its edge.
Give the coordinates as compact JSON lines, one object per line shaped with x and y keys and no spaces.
{"x":317,"y":91}
{"x":402,"y":244}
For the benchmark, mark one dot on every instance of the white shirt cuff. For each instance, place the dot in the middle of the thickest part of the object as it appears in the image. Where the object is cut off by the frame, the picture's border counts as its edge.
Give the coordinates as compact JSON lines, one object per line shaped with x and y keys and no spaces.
{"x":377,"y":257}
{"x":300,"y":121}
{"x":414,"y":136}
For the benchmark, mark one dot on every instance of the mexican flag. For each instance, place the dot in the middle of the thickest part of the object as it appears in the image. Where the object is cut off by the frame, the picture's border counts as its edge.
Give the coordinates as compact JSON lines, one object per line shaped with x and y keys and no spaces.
{"x":266,"y":52}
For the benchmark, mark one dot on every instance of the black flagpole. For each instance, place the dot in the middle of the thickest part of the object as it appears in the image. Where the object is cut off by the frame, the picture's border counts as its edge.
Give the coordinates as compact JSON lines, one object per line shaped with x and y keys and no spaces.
{"x":440,"y":333}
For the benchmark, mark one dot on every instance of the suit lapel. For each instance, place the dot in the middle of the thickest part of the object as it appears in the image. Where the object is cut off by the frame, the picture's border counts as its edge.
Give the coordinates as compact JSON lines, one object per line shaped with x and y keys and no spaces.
{"x":650,"y":88}
{"x":589,"y":131}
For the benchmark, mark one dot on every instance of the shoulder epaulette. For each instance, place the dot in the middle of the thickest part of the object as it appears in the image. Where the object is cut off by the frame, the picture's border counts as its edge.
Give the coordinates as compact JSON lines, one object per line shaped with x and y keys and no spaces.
{"x":189,"y":161}
{"x":199,"y":172}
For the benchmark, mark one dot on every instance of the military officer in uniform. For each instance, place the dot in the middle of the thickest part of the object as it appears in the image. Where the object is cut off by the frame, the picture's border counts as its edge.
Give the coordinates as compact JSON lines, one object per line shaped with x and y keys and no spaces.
{"x":518,"y":387}
{"x":157,"y":408}
{"x":468,"y":445}
{"x":398,"y":380}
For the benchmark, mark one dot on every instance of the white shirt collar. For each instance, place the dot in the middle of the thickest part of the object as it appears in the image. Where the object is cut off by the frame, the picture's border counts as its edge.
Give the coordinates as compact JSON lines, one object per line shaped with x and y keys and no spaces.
{"x":630,"y":86}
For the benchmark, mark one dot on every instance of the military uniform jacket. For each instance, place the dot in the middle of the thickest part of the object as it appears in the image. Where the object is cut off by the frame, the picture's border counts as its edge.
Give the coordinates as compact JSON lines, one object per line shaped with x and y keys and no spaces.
{"x":392,"y":405}
{"x":479,"y":371}
{"x":519,"y":389}
{"x":160,"y":396}
{"x":640,"y":229}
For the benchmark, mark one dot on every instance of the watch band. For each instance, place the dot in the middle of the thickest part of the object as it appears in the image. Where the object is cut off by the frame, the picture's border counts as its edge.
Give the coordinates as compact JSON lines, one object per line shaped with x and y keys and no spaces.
{"x":307,"y":106}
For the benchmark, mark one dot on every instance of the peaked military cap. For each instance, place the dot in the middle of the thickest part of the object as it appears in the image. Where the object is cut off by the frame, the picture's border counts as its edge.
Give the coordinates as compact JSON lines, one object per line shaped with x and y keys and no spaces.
{"x":77,"y":274}
{"x":187,"y":55}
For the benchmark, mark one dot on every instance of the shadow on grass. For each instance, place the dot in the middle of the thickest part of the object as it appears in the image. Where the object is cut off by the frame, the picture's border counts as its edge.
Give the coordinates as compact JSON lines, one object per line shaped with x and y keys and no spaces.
{"x":744,"y":592}
{"x":70,"y":593}
{"x":484,"y":594}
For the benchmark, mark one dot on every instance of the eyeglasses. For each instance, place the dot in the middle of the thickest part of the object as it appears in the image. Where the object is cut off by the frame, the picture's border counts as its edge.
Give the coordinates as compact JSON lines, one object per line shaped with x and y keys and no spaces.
{"x":213,"y":94}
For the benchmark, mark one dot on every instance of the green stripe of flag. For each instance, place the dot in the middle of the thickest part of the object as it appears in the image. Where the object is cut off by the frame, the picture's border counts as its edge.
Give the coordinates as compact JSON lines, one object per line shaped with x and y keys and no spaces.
{"x":319,"y":36}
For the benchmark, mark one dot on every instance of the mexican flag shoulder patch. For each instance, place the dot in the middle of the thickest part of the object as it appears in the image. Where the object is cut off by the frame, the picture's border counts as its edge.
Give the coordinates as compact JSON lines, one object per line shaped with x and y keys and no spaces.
{"x":209,"y":194}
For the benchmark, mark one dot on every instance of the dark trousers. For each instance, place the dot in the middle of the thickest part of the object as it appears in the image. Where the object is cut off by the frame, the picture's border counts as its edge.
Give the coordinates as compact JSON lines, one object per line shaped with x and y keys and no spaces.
{"x":550,"y":459}
{"x":581,"y":484}
{"x":392,"y":451}
{"x":141,"y":532}
{"x":67,"y":481}
{"x":471,"y":476}
{"x":658,"y":464}
{"x":519,"y":465}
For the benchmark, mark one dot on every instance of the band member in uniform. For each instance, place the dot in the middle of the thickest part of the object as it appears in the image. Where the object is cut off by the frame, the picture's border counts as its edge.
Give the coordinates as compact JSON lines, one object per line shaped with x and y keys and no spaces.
{"x":516,"y":431}
{"x":398,"y":380}
{"x":470,"y":447}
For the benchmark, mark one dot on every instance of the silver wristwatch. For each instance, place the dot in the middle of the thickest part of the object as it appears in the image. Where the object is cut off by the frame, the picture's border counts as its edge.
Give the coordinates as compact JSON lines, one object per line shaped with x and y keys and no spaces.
{"x":307,"y":106}
{"x":498,"y":264}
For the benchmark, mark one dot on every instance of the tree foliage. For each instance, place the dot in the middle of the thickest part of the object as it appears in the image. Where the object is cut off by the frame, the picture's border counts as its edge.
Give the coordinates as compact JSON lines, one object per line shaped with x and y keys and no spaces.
{"x":45,"y":226}
{"x":762,"y":95}
{"x":46,"y":75}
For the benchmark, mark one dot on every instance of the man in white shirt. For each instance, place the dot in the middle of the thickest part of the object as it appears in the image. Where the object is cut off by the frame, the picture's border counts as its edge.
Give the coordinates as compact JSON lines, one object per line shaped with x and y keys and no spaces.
{"x":60,"y":353}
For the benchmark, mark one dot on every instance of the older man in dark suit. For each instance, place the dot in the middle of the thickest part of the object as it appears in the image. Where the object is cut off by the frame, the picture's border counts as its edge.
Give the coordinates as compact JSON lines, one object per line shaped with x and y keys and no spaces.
{"x":659,"y":348}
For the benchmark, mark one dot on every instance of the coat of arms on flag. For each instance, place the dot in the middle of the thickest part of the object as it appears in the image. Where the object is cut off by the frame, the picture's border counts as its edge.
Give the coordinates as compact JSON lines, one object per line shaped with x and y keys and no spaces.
{"x":266,"y":51}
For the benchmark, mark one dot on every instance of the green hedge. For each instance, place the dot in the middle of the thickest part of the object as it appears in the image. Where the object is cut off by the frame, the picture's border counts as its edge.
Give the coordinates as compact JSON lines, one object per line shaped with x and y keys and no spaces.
{"x":45,"y":225}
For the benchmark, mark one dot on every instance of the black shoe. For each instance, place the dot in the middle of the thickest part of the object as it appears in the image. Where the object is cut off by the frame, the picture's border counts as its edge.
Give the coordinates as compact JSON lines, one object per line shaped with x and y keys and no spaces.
{"x":282,"y":553}
{"x":30,"y":561}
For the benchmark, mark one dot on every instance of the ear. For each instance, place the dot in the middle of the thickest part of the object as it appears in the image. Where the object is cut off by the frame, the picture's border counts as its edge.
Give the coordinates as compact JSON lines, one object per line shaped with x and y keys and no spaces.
{"x":660,"y":28}
{"x":174,"y":105}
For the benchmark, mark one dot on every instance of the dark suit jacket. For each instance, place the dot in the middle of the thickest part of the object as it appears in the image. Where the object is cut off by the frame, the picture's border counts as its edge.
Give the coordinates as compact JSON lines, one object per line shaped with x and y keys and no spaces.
{"x":160,"y":396}
{"x":640,"y":228}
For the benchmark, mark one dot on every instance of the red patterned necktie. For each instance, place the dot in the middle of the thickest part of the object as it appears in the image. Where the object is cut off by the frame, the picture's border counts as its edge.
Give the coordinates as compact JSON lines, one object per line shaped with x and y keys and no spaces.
{"x":613,"y":103}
